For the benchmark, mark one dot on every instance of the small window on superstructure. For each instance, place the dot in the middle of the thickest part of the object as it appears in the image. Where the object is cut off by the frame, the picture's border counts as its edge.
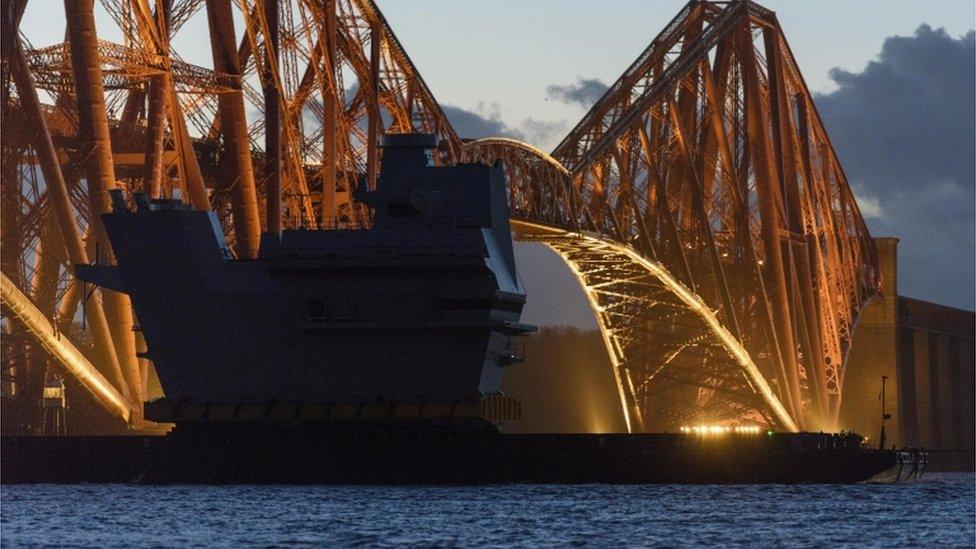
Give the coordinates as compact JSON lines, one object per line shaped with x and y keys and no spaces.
{"x":341,"y":308}
{"x":316,"y":309}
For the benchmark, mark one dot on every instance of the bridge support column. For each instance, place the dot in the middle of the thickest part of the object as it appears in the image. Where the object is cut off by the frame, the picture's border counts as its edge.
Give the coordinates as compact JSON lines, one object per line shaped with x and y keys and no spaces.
{"x":767,"y":187}
{"x":57,"y":193}
{"x":152,"y":172}
{"x":272,"y":123}
{"x":95,"y":140}
{"x":330,"y":100}
{"x":372,"y":152}
{"x":806,"y":321}
{"x":233,"y":126}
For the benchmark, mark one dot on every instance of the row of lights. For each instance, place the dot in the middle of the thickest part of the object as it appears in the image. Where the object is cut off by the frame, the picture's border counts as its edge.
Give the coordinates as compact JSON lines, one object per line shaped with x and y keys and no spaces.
{"x":721,"y":429}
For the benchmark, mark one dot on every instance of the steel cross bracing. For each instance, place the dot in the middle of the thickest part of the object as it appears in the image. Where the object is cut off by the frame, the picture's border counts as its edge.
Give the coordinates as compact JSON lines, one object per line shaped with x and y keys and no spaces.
{"x":707,"y":157}
{"x":673,"y":360}
{"x":88,"y":115}
{"x":699,"y":201}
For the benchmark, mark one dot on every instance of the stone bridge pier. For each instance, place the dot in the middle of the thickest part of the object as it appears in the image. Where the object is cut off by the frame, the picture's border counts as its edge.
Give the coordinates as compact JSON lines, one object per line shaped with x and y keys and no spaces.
{"x":927,"y":352}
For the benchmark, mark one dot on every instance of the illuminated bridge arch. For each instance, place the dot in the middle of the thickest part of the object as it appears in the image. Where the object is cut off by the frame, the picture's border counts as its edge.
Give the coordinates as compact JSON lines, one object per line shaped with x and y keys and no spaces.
{"x":707,"y":159}
{"x":539,"y":185}
{"x":673,"y":361}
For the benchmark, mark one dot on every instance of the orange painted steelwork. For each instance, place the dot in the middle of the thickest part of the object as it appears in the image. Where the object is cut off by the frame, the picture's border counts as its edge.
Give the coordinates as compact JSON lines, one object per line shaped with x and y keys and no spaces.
{"x":708,"y":158}
{"x":699,"y":201}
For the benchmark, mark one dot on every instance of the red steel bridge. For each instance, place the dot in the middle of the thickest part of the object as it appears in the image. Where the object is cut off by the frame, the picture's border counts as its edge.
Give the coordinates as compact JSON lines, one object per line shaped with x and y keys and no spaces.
{"x":699,"y":202}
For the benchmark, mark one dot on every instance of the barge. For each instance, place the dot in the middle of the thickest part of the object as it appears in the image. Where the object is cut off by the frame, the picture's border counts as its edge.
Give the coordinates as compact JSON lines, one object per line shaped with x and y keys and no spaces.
{"x":381,"y":453}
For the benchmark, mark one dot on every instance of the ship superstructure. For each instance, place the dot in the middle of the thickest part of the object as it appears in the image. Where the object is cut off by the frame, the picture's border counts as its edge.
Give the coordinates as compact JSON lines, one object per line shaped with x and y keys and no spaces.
{"x":420,"y":308}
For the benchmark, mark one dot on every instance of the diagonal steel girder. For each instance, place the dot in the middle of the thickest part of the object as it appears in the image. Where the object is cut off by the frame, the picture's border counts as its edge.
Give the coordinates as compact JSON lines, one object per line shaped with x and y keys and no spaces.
{"x":322,"y":43}
{"x":668,"y":164}
{"x":712,"y":120}
{"x":61,"y":348}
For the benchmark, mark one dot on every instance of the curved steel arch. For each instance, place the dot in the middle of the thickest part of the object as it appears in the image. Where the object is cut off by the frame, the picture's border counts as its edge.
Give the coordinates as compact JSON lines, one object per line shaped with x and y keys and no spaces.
{"x":707,"y":157}
{"x":673,"y":361}
{"x":487,"y":143}
{"x":539,"y":186}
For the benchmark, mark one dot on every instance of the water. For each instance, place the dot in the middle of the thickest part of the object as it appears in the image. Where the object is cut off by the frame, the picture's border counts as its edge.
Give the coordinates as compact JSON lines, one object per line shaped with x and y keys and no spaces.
{"x":936,"y":511}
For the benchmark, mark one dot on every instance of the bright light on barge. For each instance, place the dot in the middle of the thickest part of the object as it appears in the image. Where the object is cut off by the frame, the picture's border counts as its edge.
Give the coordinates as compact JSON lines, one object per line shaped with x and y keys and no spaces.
{"x":721,"y":429}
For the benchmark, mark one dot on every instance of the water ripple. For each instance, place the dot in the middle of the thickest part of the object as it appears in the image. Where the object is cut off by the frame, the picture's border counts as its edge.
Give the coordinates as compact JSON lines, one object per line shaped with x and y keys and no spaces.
{"x":936,"y":511}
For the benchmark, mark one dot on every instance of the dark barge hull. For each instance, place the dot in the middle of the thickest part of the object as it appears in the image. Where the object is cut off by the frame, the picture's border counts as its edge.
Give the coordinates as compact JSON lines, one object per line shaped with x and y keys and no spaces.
{"x":358,"y":455}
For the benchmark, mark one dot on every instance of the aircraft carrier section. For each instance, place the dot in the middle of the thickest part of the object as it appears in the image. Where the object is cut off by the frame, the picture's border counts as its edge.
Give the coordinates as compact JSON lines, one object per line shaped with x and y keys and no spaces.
{"x":421,"y":308}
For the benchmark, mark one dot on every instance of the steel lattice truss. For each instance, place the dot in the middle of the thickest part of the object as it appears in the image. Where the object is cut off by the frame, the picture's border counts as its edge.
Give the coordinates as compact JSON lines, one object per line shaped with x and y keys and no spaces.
{"x":707,"y":157}
{"x":699,"y":201}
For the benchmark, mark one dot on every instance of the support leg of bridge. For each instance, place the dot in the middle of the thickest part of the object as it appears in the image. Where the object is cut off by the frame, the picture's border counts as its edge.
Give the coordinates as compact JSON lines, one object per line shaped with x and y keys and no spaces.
{"x":373,"y":129}
{"x":767,"y":188}
{"x":100,"y":170}
{"x":233,"y":126}
{"x":189,"y":166}
{"x":152,"y":172}
{"x":790,"y":174}
{"x":272,"y":122}
{"x":57,"y":193}
{"x":330,"y":99}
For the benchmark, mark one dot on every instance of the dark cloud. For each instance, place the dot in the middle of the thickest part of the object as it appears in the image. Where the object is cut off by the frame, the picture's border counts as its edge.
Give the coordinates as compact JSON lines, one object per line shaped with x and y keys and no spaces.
{"x":584,"y":92}
{"x":904,"y":130}
{"x":486,"y":121}
{"x":542,"y":134}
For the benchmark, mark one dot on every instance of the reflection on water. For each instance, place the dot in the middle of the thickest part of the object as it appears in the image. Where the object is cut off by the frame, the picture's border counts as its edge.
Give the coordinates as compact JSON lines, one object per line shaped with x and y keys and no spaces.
{"x":936,"y":511}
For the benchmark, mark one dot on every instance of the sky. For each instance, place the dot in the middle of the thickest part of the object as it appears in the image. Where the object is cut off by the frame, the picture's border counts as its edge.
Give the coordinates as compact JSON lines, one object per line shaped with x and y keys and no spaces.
{"x":893,"y":81}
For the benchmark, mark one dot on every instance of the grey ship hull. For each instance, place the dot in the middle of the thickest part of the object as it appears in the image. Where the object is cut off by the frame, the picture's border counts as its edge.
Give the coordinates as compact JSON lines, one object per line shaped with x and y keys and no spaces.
{"x":420,"y":308}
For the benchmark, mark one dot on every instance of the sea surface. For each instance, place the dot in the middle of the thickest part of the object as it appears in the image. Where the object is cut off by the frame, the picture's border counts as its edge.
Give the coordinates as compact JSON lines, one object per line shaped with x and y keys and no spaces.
{"x":939,"y":511}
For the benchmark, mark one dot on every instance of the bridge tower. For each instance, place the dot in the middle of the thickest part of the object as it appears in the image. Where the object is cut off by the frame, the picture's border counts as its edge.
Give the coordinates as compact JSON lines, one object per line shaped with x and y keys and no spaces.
{"x":703,"y":209}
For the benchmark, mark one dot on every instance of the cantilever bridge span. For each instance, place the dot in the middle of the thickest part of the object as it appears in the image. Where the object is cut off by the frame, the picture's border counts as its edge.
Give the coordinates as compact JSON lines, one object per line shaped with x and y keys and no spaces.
{"x":699,"y":201}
